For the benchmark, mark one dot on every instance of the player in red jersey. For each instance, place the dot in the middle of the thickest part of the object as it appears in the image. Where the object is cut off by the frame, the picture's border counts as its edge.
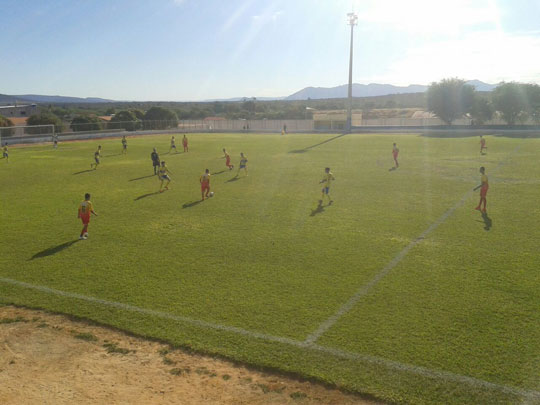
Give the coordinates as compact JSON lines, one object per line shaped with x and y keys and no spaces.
{"x":185,"y":143}
{"x":85,"y":209}
{"x":227,"y":160}
{"x":395,"y":152}
{"x":484,"y":187}
{"x":483,"y":147}
{"x":205,"y":184}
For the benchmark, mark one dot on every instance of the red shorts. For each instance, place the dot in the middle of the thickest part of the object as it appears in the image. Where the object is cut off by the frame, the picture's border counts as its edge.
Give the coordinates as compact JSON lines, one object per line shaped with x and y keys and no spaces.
{"x":85,"y":220}
{"x":483,"y":191}
{"x":395,"y":155}
{"x":205,"y":186}
{"x":228,"y":162}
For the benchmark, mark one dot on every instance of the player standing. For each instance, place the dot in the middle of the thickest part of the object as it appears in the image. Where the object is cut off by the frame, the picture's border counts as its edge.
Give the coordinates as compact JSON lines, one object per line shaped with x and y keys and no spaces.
{"x":124,"y":144}
{"x":55,"y":141}
{"x":97,"y":155}
{"x":85,"y":209}
{"x":484,"y":186}
{"x":243,"y":164}
{"x":205,"y":183}
{"x":155,"y":160}
{"x":228,"y":160}
{"x":185,"y":143}
{"x":328,"y":178}
{"x":164,"y":175}
{"x":483,"y":147}
{"x":5,"y":154}
{"x":173,"y":145}
{"x":395,"y":152}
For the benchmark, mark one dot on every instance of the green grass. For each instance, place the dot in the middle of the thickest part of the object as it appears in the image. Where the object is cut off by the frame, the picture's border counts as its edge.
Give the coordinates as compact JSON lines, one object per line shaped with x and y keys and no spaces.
{"x":259,"y":255}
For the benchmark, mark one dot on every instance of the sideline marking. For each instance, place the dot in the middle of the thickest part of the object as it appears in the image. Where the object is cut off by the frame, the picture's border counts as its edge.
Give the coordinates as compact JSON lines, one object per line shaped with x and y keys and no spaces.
{"x":390,"y":364}
{"x":364,"y":290}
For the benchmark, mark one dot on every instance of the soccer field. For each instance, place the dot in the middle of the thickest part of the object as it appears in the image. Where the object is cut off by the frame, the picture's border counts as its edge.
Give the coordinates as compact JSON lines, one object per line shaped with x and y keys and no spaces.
{"x":399,"y":290}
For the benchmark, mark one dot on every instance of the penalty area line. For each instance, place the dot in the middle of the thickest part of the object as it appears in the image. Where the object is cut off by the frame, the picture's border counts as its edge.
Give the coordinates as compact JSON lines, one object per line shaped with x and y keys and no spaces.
{"x":365,"y":289}
{"x":389,"y":364}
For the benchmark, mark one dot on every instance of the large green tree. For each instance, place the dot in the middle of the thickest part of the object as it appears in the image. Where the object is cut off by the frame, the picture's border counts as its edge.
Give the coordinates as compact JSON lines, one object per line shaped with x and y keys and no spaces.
{"x":450,"y":99}
{"x":44,"y":118}
{"x":5,"y":122}
{"x":86,"y":123}
{"x":510,"y":99}
{"x":125,"y":120}
{"x":160,"y":118}
{"x":481,"y":110}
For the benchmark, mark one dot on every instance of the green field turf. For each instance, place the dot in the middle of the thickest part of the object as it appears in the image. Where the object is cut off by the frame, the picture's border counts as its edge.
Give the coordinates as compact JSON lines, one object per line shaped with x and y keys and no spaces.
{"x":254,"y":272}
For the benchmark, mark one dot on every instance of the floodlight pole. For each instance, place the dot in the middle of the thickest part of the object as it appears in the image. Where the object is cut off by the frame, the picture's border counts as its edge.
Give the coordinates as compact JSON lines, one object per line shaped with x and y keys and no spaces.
{"x":353,"y":20}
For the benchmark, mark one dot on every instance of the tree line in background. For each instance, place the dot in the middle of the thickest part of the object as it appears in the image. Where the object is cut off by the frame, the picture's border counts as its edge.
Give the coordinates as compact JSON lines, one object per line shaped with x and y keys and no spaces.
{"x":449,"y":99}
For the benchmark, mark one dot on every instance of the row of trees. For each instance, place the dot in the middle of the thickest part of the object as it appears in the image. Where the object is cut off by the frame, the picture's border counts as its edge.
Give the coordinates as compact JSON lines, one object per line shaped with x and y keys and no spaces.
{"x":451,"y":99}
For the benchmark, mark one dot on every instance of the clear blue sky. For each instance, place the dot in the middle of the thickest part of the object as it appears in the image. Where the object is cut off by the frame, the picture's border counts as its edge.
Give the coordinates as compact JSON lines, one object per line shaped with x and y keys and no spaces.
{"x":202,"y":49}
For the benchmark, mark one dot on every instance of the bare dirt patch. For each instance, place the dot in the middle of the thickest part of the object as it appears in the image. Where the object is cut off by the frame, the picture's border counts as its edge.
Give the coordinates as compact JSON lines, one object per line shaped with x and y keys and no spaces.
{"x":50,"y":359}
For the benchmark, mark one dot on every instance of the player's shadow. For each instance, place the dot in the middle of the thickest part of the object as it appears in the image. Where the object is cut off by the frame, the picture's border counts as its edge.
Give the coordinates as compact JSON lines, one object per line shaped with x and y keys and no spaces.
{"x":145,"y":195}
{"x":392,"y":169}
{"x":318,"y":144}
{"x":216,"y":173}
{"x":191,"y":204}
{"x":318,"y":210}
{"x":143,"y":177}
{"x":53,"y":250}
{"x":488,"y":223}
{"x":84,"y":171}
{"x":235,"y":178}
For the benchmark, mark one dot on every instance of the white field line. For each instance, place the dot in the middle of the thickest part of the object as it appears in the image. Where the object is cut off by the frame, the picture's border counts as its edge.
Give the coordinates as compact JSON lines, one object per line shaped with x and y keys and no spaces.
{"x":365,"y":289}
{"x":528,"y":395}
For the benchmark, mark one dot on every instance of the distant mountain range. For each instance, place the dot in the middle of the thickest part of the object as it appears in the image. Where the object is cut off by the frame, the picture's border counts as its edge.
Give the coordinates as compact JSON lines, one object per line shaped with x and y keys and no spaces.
{"x":371,"y":90}
{"x":359,"y":90}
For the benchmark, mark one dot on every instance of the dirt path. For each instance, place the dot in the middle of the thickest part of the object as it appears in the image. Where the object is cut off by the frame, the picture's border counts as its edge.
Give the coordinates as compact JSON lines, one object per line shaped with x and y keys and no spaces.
{"x":49,"y":359}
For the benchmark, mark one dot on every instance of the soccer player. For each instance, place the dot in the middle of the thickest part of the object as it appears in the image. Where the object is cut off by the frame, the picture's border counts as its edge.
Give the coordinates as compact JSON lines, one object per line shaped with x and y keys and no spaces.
{"x":164,"y":175}
{"x":97,"y":155}
{"x":124,"y":144}
{"x":328,"y":178}
{"x":227,"y":160}
{"x":173,"y":145}
{"x":484,"y":186}
{"x":5,"y":154}
{"x":395,"y":152}
{"x":85,"y":209}
{"x":205,"y":183}
{"x":243,"y":164}
{"x":185,"y":143}
{"x":483,"y":147}
{"x":55,"y":141}
{"x":155,"y":161}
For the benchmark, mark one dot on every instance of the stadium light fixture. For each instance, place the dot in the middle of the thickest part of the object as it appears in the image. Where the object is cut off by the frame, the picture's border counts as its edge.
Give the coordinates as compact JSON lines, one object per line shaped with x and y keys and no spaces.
{"x":352,"y":21}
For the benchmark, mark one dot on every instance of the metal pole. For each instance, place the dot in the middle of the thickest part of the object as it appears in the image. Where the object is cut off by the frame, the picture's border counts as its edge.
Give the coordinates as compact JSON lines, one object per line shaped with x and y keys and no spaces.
{"x":353,"y":18}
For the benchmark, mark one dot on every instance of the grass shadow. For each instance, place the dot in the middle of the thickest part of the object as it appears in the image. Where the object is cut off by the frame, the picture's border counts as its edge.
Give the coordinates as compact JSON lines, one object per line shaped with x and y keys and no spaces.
{"x":145,"y":195}
{"x":235,"y":178}
{"x":143,"y":177}
{"x":318,"y":210}
{"x":318,"y":144}
{"x":53,"y":250}
{"x":191,"y":204}
{"x":84,"y":171}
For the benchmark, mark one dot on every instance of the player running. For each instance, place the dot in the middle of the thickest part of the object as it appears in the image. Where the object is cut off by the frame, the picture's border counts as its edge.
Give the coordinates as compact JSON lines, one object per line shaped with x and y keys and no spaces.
{"x":185,"y":143}
{"x":97,"y":156}
{"x":395,"y":152}
{"x":155,"y":161}
{"x":124,"y":145}
{"x":227,"y":160}
{"x":205,"y":184}
{"x":328,"y":178}
{"x":85,"y":209}
{"x":164,"y":175}
{"x":483,"y":147}
{"x":5,"y":154}
{"x":173,"y":145}
{"x":243,"y":164}
{"x":484,"y":186}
